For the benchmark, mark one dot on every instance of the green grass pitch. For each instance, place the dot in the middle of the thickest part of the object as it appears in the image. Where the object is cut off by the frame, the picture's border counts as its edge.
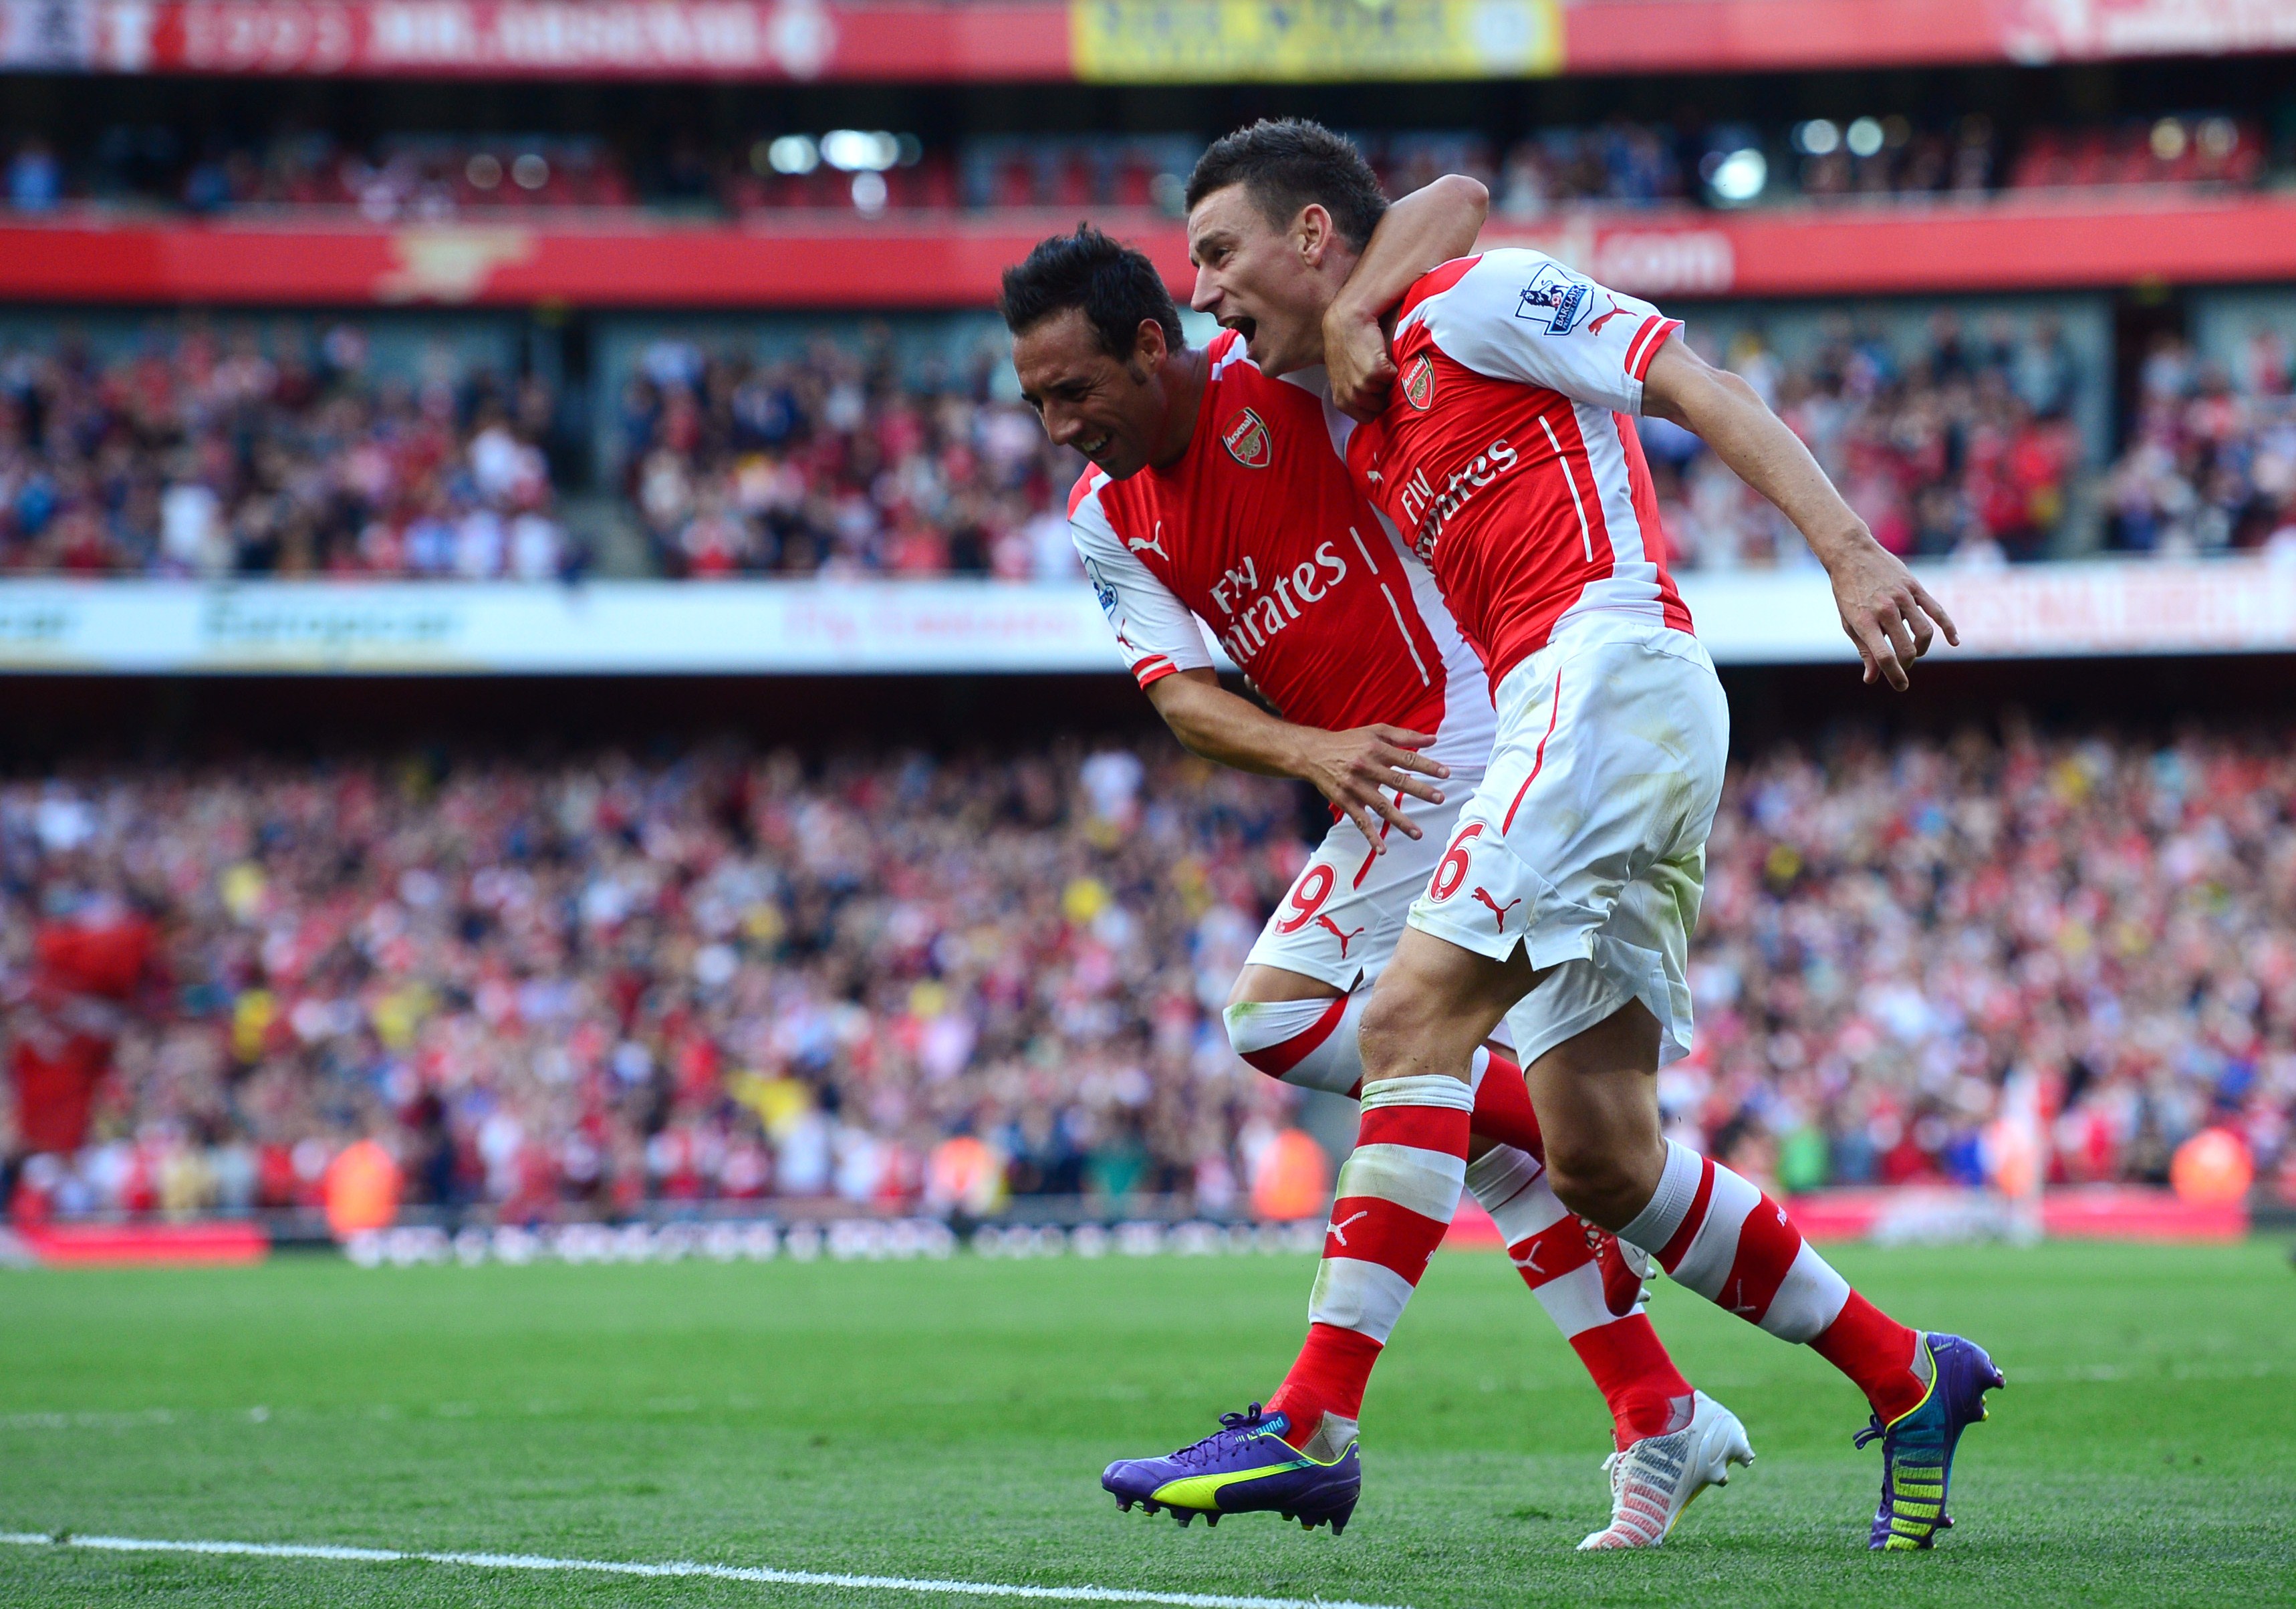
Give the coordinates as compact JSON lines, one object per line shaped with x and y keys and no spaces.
{"x":949,"y":1420}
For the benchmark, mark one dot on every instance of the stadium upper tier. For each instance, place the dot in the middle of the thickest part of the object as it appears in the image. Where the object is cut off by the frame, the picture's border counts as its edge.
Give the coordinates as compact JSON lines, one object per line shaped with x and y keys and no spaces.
{"x":134,"y":168}
{"x":410,"y":449}
{"x":1111,"y":41}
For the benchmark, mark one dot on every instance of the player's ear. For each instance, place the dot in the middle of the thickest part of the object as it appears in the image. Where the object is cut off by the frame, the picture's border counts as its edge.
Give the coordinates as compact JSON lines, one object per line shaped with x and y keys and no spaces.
{"x":1149,"y":349}
{"x":1311,"y":234}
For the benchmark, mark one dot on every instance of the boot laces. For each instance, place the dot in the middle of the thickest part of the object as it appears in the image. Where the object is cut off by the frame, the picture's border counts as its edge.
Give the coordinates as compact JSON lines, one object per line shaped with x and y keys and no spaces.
{"x":1233,"y":1431}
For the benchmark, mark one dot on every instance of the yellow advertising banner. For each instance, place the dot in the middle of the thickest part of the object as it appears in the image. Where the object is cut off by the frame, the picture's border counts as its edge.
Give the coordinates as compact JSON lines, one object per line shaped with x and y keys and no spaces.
{"x":1204,"y":41}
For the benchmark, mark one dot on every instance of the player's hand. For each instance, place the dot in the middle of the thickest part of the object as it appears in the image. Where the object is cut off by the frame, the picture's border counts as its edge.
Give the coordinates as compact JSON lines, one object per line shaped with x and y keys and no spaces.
{"x":1356,"y":357}
{"x":1367,"y":772}
{"x":1888,"y":615}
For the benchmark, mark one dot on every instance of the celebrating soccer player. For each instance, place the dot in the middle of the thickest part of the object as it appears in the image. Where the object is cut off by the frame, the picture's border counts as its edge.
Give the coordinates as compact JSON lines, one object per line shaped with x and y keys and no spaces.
{"x":1504,"y":450}
{"x":1216,"y":493}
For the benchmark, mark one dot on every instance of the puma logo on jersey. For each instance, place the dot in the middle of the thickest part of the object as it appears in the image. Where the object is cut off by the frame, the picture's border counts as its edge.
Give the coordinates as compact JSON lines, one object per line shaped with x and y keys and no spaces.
{"x":1333,"y":929}
{"x":1339,"y":1229}
{"x":1496,"y":910}
{"x":1530,"y":1261}
{"x":1595,"y":325}
{"x":1245,"y":436}
{"x":1155,"y":545}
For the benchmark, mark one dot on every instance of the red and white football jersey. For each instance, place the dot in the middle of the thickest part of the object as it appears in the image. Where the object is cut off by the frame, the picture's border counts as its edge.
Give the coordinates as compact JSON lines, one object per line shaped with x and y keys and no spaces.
{"x":1507,"y":455}
{"x":1259,"y":532}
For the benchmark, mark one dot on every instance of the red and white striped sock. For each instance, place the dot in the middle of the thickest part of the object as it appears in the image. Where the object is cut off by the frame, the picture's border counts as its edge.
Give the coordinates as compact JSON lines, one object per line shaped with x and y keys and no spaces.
{"x":1503,"y":1108}
{"x":1312,"y":1043}
{"x":1646,"y":1393}
{"x":1397,"y":1193}
{"x":1715,"y":1233}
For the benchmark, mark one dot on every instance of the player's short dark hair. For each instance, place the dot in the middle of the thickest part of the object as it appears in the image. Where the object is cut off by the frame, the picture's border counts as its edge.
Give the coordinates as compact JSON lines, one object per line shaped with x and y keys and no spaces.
{"x":1115,"y":285}
{"x":1288,"y":164}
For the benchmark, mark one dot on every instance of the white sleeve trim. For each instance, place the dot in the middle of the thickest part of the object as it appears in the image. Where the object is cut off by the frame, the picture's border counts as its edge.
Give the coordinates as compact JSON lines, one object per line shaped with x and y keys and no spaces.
{"x":1155,"y":632}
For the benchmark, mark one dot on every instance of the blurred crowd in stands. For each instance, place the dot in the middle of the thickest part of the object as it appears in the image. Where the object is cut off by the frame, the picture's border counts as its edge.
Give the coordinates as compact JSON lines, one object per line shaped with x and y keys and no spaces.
{"x":433,"y":176}
{"x":830,"y":462}
{"x":2211,"y":463}
{"x":206,"y":454}
{"x":575,"y":988}
{"x":1957,"y":441}
{"x":237,"y":449}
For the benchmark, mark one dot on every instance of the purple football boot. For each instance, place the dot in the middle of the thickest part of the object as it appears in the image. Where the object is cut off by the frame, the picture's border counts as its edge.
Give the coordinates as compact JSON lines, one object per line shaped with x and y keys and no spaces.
{"x":1245,"y":1467}
{"x":1917,"y":1447}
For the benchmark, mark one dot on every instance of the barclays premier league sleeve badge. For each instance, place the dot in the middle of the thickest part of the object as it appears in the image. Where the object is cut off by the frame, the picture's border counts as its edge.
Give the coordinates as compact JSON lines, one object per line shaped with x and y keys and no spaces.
{"x":1555,"y":298}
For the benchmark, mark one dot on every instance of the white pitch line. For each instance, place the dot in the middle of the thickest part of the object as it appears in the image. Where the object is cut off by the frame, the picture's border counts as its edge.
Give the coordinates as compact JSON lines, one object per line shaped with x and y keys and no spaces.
{"x":716,"y":1572}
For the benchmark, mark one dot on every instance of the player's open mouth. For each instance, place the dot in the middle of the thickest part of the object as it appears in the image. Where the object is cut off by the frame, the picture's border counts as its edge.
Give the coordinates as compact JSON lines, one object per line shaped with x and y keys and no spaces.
{"x":1094,"y":448}
{"x":1245,"y":327}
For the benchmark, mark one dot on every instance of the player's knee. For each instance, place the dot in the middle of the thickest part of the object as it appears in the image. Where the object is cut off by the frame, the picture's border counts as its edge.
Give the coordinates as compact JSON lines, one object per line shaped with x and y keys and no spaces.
{"x":1394,"y":1025}
{"x":1597,"y":1178}
{"x":1242,"y":1019}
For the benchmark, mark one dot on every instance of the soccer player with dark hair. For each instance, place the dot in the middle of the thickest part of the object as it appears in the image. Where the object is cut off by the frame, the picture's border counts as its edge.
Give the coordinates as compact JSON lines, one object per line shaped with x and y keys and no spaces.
{"x":1505,"y":451}
{"x":1216,"y":494}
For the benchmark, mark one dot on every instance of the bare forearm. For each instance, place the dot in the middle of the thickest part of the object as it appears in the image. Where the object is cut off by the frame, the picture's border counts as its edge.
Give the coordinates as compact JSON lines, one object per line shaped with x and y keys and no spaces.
{"x":1217,"y":725}
{"x":1888,"y":614}
{"x":1422,"y":231}
{"x":1732,"y":420}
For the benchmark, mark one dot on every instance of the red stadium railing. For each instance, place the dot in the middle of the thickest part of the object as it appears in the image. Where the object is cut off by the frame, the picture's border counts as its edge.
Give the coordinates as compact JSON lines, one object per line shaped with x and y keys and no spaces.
{"x":940,"y":260}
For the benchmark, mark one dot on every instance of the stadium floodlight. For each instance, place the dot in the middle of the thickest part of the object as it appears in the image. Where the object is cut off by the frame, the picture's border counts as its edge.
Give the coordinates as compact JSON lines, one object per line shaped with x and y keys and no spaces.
{"x":860,"y":151}
{"x":1820,"y":137}
{"x":530,"y":172}
{"x":1739,"y":175}
{"x":869,"y":193}
{"x":2169,"y":140}
{"x":1864,"y":137}
{"x":484,"y":171}
{"x":793,"y":153}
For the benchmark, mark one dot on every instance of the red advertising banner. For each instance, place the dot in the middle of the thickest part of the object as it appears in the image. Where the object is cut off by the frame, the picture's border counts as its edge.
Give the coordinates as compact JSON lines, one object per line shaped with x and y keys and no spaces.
{"x":912,"y":40}
{"x":1655,"y":36}
{"x":923,"y":261}
{"x":1115,"y":41}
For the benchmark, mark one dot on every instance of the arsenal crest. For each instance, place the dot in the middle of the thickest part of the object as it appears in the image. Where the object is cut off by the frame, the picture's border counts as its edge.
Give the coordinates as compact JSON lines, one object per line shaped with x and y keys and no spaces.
{"x":1419,"y":381}
{"x":1247,"y":441}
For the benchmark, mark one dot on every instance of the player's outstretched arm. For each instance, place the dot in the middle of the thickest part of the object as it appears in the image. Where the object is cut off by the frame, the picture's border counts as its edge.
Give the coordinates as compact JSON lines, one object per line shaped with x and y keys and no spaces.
{"x":1888,"y":615}
{"x":1360,"y":770}
{"x":1422,"y":231}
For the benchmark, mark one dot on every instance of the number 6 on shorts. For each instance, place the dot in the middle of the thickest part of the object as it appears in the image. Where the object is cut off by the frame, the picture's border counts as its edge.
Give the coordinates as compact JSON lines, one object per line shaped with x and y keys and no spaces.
{"x":1451,"y":871}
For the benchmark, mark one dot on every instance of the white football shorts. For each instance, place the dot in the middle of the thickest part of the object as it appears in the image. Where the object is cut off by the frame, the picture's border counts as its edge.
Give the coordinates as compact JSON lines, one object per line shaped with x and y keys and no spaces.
{"x":1586,"y":844}
{"x":1347,"y":907}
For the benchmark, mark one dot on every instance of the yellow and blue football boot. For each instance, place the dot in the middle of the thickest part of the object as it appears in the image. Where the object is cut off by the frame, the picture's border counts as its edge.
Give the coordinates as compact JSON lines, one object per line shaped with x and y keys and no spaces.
{"x":1917,"y":1447}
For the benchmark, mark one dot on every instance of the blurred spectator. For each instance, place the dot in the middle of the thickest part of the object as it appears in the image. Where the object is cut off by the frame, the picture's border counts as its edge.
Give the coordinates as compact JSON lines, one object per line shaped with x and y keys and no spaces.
{"x":35,"y":178}
{"x":568,"y":990}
